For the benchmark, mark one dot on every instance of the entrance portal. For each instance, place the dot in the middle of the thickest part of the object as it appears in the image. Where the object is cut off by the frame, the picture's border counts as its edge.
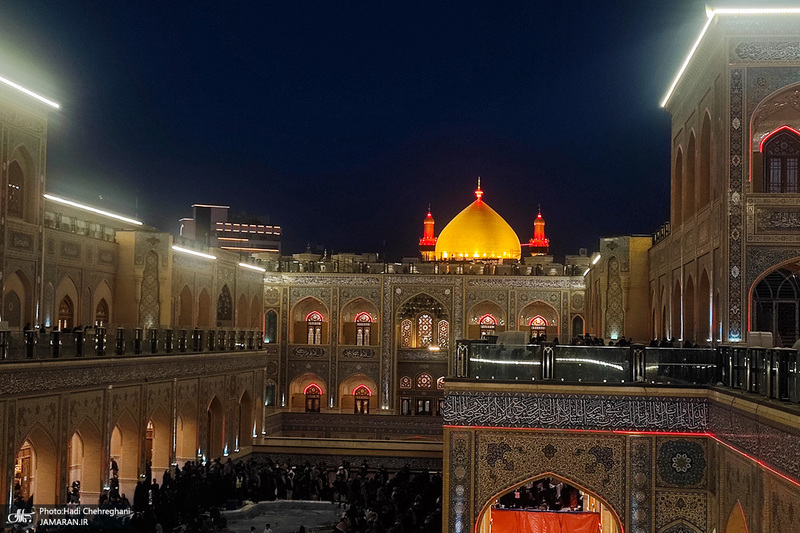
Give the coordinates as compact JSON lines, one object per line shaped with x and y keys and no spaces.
{"x":548,"y":503}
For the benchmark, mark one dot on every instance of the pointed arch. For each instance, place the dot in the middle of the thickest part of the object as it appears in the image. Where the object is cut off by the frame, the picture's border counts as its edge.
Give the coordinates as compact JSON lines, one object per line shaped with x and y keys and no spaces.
{"x":204,"y":309}
{"x":84,"y":453}
{"x":255,"y":313}
{"x":478,"y":325}
{"x":271,"y":326}
{"x":689,"y":333}
{"x":300,"y":385}
{"x":242,"y":320}
{"x":677,"y":188}
{"x":675,"y":304}
{"x":359,"y":324}
{"x":66,"y":310}
{"x":125,"y":450}
{"x":304,"y":332}
{"x":607,"y":512}
{"x":17,"y":300}
{"x":244,"y":422}
{"x":225,"y":306}
{"x":215,"y":429}
{"x":423,"y":313}
{"x":36,"y":459}
{"x":186,"y":307}
{"x":548,"y":314}
{"x":22,"y":191}
{"x":736,"y":522}
{"x":689,"y":178}
{"x":704,"y":315}
{"x":159,"y":444}
{"x":349,"y":388}
{"x":102,"y":293}
{"x":704,"y":163}
{"x":186,"y":433}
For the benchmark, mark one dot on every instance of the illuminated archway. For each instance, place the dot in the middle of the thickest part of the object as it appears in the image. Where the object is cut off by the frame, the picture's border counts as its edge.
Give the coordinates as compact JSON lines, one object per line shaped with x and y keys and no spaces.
{"x":185,"y":307}
{"x":84,"y":455}
{"x":159,"y":442}
{"x":186,"y":434}
{"x":358,"y":323}
{"x":35,"y":468}
{"x":607,"y":516}
{"x":244,"y":433}
{"x":478,"y":320}
{"x":547,"y":317}
{"x":310,"y":322}
{"x":350,"y":401}
{"x":299,"y":387}
{"x":125,"y":442}
{"x":215,"y":429}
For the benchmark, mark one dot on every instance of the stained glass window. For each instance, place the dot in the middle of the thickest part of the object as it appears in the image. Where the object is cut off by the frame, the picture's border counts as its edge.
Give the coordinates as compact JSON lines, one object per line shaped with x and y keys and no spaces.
{"x":405,"y":333}
{"x":424,"y":330}
{"x":424,"y":381}
{"x":362,"y":390}
{"x":488,"y":323}
{"x":538,"y":325}
{"x":444,"y":334}
{"x":363,"y":326}
{"x":314,"y":321}
{"x":440,"y":383}
{"x":405,"y":382}
{"x":781,"y":156}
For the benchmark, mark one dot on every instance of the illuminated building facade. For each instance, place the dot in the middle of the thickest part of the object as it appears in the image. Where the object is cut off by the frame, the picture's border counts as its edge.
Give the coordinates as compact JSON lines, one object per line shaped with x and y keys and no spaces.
{"x":349,"y":337}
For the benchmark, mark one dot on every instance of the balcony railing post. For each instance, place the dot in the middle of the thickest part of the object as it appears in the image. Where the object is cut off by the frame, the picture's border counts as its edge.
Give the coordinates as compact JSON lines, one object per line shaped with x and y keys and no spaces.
{"x":548,"y":360}
{"x":80,"y":338}
{"x":152,"y":334}
{"x":637,"y":358}
{"x":182,"y":340}
{"x":138,"y":335}
{"x":211,"y":340}
{"x":100,"y":340}
{"x":250,"y":336}
{"x":119,"y":343}
{"x":462,"y":357}
{"x":55,"y":343}
{"x":168,"y":340}
{"x":30,"y":341}
{"x":3,"y":344}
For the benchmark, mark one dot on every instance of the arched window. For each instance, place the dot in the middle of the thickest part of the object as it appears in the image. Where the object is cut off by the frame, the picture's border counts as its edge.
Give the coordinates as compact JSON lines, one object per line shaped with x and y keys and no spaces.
{"x":444,"y":334}
{"x":405,"y":382}
{"x":362,"y":394}
{"x":66,"y":313}
{"x":271,"y":326}
{"x":424,"y":381}
{"x":313,"y":394}
{"x":16,"y":191}
{"x":363,"y":325}
{"x":424,"y":330}
{"x":314,"y":321}
{"x":101,"y":313}
{"x":405,"y":333}
{"x":440,"y":383}
{"x":538,"y":325}
{"x":781,"y":152}
{"x":225,"y":304}
{"x":488,"y":323}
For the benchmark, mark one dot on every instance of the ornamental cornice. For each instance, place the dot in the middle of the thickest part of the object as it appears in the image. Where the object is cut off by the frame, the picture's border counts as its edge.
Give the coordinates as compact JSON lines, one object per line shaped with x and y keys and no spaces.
{"x":31,"y":124}
{"x":26,"y":378}
{"x":562,"y":411}
{"x":532,"y":282}
{"x":339,"y":280}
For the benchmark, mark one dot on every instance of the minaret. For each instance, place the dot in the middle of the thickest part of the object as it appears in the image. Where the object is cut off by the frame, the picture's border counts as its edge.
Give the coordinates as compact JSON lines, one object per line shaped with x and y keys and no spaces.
{"x":539,"y":245}
{"x":478,"y":191}
{"x":427,"y":244}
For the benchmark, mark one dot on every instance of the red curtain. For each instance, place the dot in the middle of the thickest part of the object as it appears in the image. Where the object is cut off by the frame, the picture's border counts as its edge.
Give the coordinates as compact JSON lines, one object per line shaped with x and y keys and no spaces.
{"x":544,"y":522}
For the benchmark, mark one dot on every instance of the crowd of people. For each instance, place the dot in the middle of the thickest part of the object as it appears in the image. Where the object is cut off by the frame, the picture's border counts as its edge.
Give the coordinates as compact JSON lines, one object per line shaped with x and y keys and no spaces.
{"x":191,"y":499}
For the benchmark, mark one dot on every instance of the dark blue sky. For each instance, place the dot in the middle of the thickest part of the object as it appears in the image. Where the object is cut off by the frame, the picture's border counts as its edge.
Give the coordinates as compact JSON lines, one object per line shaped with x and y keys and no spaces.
{"x":342,"y":121}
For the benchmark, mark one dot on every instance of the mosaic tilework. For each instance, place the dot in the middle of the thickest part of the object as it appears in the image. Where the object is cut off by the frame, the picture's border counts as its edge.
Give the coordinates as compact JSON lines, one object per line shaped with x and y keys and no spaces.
{"x":460,"y":485}
{"x":504,"y":459}
{"x":682,"y":463}
{"x":735,"y":227}
{"x":639,"y":500}
{"x":691,"y":507}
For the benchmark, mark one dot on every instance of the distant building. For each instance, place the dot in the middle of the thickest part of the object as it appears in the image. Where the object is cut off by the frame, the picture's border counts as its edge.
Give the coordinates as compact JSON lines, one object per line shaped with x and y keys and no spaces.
{"x":211,"y":225}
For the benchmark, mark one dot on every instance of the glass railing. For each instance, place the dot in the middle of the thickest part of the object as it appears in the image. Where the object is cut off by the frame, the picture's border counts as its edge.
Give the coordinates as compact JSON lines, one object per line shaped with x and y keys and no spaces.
{"x":771,"y":372}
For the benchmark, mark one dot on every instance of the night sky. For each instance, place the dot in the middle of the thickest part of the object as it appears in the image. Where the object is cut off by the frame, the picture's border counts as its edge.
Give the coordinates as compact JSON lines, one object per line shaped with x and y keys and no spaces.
{"x":342,"y":121}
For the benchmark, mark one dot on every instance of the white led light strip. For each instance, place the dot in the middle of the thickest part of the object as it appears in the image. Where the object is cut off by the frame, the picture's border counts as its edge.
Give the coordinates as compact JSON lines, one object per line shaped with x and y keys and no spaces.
{"x":92,"y":209}
{"x":252,"y":267}
{"x":30,"y":93}
{"x":192,"y":252}
{"x":724,"y":11}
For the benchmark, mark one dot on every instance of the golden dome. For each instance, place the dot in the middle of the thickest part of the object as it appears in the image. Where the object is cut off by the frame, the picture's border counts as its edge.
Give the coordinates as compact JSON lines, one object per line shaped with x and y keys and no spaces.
{"x":477,"y":233}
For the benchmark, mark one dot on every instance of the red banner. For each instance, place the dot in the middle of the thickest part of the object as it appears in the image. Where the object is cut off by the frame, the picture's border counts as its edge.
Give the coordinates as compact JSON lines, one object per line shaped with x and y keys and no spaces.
{"x":506,"y":521}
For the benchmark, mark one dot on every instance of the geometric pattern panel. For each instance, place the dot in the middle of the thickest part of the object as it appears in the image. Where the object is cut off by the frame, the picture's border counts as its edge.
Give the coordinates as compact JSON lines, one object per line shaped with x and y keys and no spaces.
{"x":641,"y":481}
{"x":554,"y":411}
{"x":681,"y":506}
{"x":504,"y":459}
{"x":682,"y":463}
